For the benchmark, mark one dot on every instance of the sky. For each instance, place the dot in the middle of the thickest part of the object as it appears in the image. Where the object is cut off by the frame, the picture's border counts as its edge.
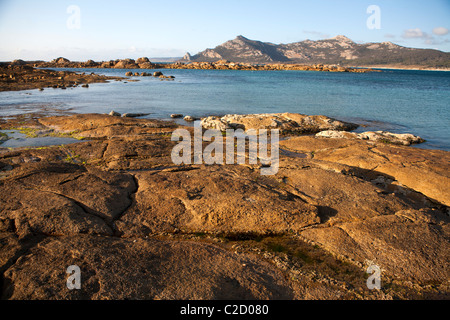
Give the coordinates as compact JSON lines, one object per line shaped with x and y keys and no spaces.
{"x":110,"y":29}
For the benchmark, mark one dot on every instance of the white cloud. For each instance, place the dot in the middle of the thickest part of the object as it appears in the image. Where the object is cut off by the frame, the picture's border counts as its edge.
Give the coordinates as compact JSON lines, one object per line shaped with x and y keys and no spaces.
{"x":415,"y":33}
{"x":428,"y":39}
{"x":440,"y":31}
{"x":318,"y":34}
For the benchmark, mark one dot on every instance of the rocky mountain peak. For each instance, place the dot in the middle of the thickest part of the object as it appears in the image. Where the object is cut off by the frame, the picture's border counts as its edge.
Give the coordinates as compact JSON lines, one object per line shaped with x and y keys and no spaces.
{"x":241,"y":38}
{"x":338,"y":50}
{"x":187,"y":57}
{"x":342,"y":38}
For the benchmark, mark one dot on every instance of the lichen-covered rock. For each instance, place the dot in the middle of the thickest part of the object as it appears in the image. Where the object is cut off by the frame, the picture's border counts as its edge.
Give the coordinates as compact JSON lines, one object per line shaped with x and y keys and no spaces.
{"x":405,"y":139}
{"x":285,"y":122}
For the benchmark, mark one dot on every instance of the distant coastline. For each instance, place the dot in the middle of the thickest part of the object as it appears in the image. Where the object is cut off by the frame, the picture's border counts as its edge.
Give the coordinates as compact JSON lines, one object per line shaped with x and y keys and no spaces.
{"x":172,"y":63}
{"x":145,"y":63}
{"x":397,"y":67}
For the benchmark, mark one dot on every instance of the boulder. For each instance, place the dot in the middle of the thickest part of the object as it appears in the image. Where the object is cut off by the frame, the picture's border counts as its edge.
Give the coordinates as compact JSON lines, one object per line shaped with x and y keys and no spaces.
{"x":190,"y":118}
{"x":405,"y":139}
{"x":107,"y":64}
{"x":129,"y":74}
{"x":215,"y":123}
{"x":157,"y":73}
{"x":126,"y":64}
{"x":90,"y":63}
{"x":61,"y":60}
{"x":176,"y":115}
{"x":114,"y":114}
{"x":143,"y":60}
{"x":3,"y":137}
{"x":337,"y":134}
{"x":285,"y":122}
{"x":18,"y":62}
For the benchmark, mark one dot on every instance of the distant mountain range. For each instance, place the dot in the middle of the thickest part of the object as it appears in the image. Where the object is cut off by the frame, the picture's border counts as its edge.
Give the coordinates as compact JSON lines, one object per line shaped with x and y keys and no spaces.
{"x":338,"y":50}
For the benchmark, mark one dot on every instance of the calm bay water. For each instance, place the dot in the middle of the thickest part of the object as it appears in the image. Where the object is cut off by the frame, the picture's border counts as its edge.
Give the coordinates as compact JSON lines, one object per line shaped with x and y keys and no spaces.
{"x":399,"y":101}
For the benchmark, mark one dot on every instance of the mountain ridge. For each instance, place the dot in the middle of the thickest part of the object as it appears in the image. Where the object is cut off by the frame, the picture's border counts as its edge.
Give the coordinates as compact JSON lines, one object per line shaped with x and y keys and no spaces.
{"x":339,"y":50}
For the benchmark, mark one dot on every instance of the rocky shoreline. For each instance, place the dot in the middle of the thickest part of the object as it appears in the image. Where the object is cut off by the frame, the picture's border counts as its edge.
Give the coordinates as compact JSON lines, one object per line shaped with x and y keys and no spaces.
{"x":145,"y":63}
{"x":140,"y":227}
{"x":20,"y":76}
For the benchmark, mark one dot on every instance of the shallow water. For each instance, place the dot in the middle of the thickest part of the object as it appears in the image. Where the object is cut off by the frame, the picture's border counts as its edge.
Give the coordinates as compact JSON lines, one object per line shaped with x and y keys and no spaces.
{"x":400,"y":101}
{"x":20,"y":140}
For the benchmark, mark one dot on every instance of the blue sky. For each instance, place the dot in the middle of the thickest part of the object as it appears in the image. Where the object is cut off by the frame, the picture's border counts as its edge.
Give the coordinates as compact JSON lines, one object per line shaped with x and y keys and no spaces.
{"x":131,"y":29}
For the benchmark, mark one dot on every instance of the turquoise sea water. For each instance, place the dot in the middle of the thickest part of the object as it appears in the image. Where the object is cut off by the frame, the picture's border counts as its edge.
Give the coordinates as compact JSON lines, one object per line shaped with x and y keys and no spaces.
{"x":399,"y":101}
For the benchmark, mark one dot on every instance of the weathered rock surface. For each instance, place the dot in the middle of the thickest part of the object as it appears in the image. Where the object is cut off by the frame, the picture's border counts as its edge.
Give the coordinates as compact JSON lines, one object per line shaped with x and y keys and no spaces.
{"x":424,"y":171}
{"x":114,"y":114}
{"x":102,"y":126}
{"x":409,"y":244}
{"x":116,"y":268}
{"x":213,"y":199}
{"x":285,"y":122}
{"x":141,"y":227}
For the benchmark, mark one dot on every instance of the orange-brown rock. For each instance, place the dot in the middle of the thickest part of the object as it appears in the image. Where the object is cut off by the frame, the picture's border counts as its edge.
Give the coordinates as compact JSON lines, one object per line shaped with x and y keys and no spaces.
{"x":141,"y":227}
{"x":421,"y":170}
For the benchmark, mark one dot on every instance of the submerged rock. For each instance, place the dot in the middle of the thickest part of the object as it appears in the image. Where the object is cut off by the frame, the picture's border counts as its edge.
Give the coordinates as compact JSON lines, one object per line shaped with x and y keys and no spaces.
{"x":133,"y":115}
{"x":3,"y":137}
